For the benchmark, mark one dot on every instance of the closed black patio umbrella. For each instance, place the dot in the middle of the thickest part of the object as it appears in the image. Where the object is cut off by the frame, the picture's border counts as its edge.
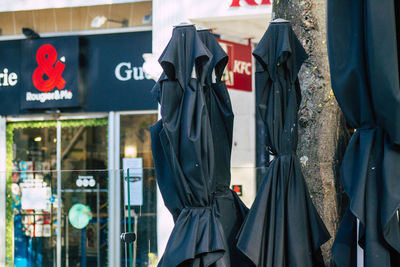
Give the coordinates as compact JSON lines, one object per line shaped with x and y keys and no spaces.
{"x":184,"y":154}
{"x":230,"y":209}
{"x":165,"y":178}
{"x":282,"y":228}
{"x":363,"y":46}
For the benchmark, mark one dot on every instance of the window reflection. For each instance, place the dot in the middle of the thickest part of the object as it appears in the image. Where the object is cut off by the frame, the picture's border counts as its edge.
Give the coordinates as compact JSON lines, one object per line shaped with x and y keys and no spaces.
{"x":135,"y":143}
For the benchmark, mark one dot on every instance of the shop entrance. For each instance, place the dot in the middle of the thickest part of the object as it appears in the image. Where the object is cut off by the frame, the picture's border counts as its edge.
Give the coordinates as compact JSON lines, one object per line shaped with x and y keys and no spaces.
{"x":60,"y":179}
{"x":37,"y":185}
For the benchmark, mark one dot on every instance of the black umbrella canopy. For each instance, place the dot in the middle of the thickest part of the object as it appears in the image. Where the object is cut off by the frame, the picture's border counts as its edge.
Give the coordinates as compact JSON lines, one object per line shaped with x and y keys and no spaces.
{"x":169,"y":187}
{"x":282,"y":228}
{"x":219,"y":108}
{"x":363,"y":53}
{"x":185,"y":163}
{"x":230,"y":209}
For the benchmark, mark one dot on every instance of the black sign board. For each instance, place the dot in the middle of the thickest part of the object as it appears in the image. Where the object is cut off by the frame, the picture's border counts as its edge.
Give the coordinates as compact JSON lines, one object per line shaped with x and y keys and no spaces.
{"x":10,"y":77}
{"x":113,"y":72}
{"x":87,"y":73}
{"x":50,"y":73}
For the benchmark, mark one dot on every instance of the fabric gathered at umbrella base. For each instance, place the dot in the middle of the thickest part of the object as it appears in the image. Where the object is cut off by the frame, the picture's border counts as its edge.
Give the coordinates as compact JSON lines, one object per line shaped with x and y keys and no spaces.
{"x":282,"y":228}
{"x":363,"y":48}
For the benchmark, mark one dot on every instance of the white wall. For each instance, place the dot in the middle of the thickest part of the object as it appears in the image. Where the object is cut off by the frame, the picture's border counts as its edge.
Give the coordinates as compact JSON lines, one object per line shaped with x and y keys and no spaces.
{"x":243,"y":148}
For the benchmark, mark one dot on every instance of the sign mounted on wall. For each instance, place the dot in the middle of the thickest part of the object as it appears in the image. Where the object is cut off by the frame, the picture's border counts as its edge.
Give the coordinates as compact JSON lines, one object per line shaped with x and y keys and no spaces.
{"x":10,"y":76}
{"x":50,"y":77}
{"x":76,"y":74}
{"x":238,"y":188}
{"x":236,"y":3}
{"x":116,"y":80}
{"x":238,"y":72}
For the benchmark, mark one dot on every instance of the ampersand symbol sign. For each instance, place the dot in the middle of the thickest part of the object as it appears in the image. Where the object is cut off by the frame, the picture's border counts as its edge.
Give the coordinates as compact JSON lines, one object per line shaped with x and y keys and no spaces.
{"x":46,"y":56}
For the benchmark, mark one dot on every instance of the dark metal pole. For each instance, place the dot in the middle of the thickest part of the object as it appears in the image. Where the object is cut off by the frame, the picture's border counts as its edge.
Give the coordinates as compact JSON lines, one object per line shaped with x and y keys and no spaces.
{"x":98,"y":224}
{"x":129,"y":215}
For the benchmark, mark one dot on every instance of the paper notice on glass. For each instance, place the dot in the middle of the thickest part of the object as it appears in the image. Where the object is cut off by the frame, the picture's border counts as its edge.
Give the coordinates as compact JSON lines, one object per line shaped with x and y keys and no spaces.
{"x":34,"y":198}
{"x":135,"y":167}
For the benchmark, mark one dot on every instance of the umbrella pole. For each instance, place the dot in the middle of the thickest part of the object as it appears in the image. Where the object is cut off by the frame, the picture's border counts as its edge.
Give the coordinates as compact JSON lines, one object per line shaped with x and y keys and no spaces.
{"x":129,"y":215}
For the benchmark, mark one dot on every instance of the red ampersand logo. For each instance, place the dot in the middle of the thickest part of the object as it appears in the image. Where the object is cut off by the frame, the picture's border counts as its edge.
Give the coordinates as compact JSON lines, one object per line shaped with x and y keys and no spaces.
{"x":46,"y":56}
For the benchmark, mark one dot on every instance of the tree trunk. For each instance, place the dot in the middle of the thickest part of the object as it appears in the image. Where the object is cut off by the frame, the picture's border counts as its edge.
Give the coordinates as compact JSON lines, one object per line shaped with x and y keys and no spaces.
{"x":322,"y":133}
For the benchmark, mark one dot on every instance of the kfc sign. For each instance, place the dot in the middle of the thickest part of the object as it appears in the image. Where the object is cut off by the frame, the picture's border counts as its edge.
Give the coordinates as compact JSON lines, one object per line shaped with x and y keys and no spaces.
{"x":236,"y":3}
{"x":238,"y":73}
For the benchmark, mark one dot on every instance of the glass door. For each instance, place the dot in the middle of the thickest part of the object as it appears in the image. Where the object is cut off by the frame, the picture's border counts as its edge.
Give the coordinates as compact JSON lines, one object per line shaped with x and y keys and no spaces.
{"x":33,"y":209}
{"x":31,"y":158}
{"x":84,"y":192}
{"x":135,"y":155}
{"x":32,"y":183}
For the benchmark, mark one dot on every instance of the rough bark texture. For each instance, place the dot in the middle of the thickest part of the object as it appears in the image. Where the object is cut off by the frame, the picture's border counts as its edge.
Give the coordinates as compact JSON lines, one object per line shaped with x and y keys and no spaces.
{"x":322,"y":132}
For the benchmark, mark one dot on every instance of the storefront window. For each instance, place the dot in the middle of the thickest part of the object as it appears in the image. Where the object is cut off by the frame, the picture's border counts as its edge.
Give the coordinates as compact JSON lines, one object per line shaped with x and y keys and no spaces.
{"x":135,"y":148}
{"x":33,"y":189}
{"x":32,"y":157}
{"x":33,"y":206}
{"x":84,"y":193}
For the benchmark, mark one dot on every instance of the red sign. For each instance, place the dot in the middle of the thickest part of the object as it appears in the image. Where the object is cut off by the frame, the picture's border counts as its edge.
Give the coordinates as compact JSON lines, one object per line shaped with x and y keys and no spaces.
{"x":46,"y":56}
{"x":50,"y":73}
{"x":238,"y":72}
{"x":238,"y":189}
{"x":236,"y":3}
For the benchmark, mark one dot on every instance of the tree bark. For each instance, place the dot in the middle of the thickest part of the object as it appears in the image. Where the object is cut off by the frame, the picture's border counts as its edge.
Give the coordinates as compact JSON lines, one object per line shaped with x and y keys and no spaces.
{"x":322,"y":133}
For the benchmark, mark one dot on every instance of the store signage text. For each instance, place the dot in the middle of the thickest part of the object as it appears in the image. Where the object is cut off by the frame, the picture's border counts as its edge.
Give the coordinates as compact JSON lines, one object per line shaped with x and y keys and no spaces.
{"x":236,"y":3}
{"x":50,"y":73}
{"x":125,"y":72}
{"x":238,"y":72}
{"x":47,"y":76}
{"x":43,"y":97}
{"x":242,"y":67}
{"x":82,"y":66}
{"x":8,"y":79}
